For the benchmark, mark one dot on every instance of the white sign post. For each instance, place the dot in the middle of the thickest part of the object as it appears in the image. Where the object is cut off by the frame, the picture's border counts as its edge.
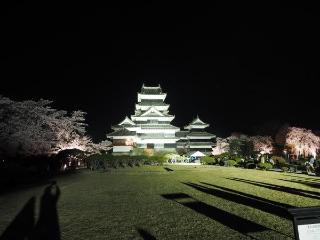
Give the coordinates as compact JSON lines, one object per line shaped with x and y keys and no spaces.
{"x":306,"y":222}
{"x":309,"y":231}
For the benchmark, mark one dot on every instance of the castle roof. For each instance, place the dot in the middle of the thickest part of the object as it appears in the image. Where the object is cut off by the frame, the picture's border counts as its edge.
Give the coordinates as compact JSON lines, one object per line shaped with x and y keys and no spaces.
{"x":197,"y":123}
{"x":122,"y":132}
{"x":151,"y":90}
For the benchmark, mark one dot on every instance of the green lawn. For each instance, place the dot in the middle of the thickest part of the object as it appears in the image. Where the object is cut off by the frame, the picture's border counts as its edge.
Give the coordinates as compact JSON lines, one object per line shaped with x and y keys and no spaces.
{"x":186,"y":203}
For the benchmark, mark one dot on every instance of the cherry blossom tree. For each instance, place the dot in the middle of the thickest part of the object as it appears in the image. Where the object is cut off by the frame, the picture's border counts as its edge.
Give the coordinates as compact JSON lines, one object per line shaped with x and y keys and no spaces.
{"x":102,"y":146}
{"x":29,"y":128}
{"x":222,"y":146}
{"x":262,"y":144}
{"x":240,"y":145}
{"x":70,"y":132}
{"x":302,"y":141}
{"x":23,"y":128}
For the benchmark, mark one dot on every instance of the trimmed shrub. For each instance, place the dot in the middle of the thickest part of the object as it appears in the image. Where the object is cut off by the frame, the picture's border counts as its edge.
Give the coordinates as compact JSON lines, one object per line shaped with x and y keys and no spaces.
{"x":103,"y":161}
{"x":239,"y":161}
{"x":137,"y":152}
{"x":301,"y":168}
{"x":208,"y":160}
{"x":279,"y":161}
{"x":229,"y":163}
{"x":158,"y":158}
{"x":122,"y":164}
{"x":250,"y":165}
{"x":114,"y":164}
{"x":147,"y":161}
{"x":221,"y":162}
{"x":97,"y":161}
{"x":265,"y":166}
{"x":223,"y":156}
{"x":131,"y":163}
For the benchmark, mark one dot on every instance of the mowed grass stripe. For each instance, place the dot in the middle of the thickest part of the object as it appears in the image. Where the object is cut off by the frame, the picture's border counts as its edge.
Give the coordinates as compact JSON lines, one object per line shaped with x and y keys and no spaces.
{"x":127,"y":203}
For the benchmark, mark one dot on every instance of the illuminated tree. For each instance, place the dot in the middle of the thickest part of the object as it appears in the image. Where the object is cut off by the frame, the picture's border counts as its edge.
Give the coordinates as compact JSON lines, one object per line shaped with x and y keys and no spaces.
{"x":103,"y":146}
{"x":262,"y":144}
{"x":301,"y":141}
{"x":222,"y":146}
{"x":240,"y":145}
{"x":29,"y":128}
{"x":70,"y":132}
{"x":23,"y":128}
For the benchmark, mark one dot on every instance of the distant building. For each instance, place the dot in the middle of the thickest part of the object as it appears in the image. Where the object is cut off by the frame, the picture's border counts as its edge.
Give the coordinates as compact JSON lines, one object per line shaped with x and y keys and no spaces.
{"x":150,"y":128}
{"x":194,"y":138}
{"x":123,"y":140}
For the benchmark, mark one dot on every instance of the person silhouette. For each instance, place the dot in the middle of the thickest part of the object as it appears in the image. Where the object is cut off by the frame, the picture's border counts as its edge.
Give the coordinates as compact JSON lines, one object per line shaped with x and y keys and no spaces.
{"x":47,"y":227}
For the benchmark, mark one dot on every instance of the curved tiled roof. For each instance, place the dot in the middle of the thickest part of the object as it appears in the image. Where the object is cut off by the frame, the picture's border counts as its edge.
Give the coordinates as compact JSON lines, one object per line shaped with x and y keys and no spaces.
{"x":157,"y":126}
{"x":200,"y":134}
{"x":197,"y":121}
{"x":152,"y":103}
{"x":151,"y":90}
{"x":152,"y":112}
{"x":122,"y":132}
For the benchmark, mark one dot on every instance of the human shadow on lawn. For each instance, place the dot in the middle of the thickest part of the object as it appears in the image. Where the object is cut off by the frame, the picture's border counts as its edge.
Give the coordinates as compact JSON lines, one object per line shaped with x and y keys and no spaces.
{"x":244,"y":200}
{"x":303,"y":182}
{"x":47,"y":227}
{"x":145,"y":234}
{"x":230,"y":220}
{"x":299,"y":192}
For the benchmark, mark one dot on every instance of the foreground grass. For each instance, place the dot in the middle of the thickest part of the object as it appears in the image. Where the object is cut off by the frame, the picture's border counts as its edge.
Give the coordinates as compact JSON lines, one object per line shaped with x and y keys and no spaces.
{"x":186,"y":203}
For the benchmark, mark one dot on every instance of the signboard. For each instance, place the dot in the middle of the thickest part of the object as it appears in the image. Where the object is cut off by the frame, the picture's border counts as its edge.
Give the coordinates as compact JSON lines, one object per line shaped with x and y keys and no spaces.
{"x":306,"y":223}
{"x":309,"y":231}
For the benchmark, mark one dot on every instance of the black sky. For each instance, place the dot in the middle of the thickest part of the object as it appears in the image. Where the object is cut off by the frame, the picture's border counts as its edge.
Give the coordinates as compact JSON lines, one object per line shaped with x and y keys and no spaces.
{"x":235,"y":67}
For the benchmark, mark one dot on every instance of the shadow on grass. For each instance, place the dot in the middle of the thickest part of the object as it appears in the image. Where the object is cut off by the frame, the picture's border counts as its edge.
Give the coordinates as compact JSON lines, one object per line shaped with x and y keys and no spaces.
{"x":145,"y":234}
{"x":230,"y":220}
{"x":40,"y":182}
{"x":304,"y":178}
{"x":299,"y":192}
{"x":303,"y":182}
{"x":168,"y":169}
{"x":23,"y":225}
{"x":244,"y":200}
{"x":283,"y":205}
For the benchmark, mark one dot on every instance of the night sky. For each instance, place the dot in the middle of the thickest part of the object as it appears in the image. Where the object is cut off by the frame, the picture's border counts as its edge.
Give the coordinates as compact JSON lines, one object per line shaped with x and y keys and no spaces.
{"x":239,"y":69}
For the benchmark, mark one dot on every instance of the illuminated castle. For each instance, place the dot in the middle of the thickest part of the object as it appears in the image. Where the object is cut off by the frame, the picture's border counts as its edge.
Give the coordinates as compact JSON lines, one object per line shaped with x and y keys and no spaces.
{"x":150,"y":127}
